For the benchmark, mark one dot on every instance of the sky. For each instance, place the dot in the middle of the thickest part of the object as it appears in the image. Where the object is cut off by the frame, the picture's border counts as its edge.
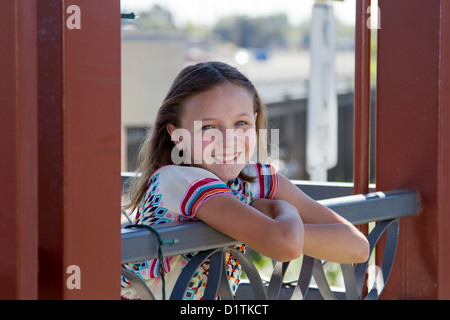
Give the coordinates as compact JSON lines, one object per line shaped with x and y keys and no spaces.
{"x":208,"y":11}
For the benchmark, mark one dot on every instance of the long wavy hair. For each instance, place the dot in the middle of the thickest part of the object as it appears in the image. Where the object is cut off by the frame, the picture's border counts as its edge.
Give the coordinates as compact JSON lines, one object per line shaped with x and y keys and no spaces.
{"x":155,"y":151}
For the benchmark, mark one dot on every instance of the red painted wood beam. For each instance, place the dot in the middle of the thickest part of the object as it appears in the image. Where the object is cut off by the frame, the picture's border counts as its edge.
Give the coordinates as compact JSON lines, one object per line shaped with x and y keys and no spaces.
{"x":361,"y":106}
{"x":412,"y":139}
{"x":18,"y":151}
{"x":444,"y":156}
{"x":79,"y":148}
{"x":361,"y":134}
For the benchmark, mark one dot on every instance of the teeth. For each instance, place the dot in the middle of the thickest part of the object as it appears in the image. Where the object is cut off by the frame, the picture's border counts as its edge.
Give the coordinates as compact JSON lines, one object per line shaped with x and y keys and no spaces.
{"x":226,"y":157}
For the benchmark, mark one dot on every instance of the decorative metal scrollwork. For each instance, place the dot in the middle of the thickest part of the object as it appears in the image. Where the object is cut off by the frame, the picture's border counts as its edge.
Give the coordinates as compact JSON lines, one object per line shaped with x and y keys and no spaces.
{"x":354,"y":275}
{"x":391,"y":227}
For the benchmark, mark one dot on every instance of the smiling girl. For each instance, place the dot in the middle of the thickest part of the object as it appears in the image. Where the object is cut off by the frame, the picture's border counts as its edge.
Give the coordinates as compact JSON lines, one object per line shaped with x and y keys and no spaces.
{"x":217,"y":184}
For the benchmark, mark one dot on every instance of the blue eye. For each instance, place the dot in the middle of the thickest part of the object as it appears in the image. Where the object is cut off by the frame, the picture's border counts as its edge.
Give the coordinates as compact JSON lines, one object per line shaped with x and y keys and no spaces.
{"x":207,"y":127}
{"x":241,"y":123}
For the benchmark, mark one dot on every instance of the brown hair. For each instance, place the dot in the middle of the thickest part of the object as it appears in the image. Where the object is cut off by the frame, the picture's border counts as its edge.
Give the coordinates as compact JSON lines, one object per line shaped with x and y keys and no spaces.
{"x":156,"y":149}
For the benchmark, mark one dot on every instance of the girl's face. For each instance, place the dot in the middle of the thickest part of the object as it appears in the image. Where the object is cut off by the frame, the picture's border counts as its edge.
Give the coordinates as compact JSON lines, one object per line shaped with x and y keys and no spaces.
{"x":221,"y":126}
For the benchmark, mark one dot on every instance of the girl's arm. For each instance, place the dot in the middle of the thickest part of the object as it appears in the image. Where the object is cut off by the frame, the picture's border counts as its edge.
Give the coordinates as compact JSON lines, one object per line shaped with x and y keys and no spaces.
{"x":328,"y":236}
{"x":277,"y":234}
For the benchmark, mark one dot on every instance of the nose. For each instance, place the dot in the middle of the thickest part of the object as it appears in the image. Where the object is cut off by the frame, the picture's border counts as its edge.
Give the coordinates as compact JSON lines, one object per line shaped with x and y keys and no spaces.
{"x":229,"y":140}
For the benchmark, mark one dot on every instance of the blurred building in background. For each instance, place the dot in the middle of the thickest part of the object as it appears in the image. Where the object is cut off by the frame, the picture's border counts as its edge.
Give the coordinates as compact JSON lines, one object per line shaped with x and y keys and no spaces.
{"x":273,"y":53}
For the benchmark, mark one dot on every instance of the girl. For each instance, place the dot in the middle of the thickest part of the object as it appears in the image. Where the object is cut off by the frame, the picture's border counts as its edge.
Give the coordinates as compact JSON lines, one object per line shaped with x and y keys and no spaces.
{"x":216,"y":183}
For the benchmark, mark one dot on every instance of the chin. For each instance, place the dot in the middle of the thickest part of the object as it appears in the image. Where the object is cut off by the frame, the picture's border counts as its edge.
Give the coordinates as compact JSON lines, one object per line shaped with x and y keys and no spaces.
{"x":226,"y":172}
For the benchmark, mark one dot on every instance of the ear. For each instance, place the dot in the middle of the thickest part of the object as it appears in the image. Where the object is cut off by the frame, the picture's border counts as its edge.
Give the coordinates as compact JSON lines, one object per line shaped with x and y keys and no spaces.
{"x":170,"y":128}
{"x":177,"y":140}
{"x":256,"y":116}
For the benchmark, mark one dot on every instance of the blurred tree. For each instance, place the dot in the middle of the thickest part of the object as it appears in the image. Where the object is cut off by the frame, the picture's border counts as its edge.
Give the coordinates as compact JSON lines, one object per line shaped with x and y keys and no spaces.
{"x":259,"y":32}
{"x":157,"y":18}
{"x":271,"y":32}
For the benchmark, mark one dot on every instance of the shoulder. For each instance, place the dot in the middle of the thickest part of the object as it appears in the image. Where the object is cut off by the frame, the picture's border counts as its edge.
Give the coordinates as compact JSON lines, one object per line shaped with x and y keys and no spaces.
{"x":259,"y":169}
{"x":188,"y":187}
{"x":266,"y":178}
{"x":180,"y":174}
{"x":179,"y":180}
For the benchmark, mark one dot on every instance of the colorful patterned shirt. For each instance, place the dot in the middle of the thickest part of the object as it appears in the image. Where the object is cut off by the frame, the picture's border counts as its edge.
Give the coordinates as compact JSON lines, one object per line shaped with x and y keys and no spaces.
{"x":174,"y":193}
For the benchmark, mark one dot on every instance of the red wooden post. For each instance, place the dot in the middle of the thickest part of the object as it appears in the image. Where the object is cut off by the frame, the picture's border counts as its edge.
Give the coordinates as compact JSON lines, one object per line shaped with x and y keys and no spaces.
{"x":412,"y":139}
{"x":361,"y":115}
{"x":444,"y":157}
{"x":59,"y":150}
{"x":51,"y":149}
{"x":79,"y":162}
{"x":361,"y":136}
{"x":92,"y":148}
{"x":18,"y":151}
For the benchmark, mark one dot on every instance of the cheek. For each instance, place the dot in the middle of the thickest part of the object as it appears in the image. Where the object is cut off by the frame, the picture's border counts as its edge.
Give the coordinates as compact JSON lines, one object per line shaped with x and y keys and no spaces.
{"x":211,"y":138}
{"x":251,"y":143}
{"x":249,"y":139}
{"x":209,"y":147}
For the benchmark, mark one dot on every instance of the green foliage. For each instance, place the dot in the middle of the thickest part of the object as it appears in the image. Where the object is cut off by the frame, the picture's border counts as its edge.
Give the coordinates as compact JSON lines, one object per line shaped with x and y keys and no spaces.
{"x":157,"y":19}
{"x":272,"y":31}
{"x":257,"y":32}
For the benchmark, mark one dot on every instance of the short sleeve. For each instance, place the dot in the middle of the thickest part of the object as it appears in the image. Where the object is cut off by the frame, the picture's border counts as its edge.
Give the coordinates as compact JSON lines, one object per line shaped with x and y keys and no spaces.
{"x":267,"y":179}
{"x":185,"y":188}
{"x":199,"y":192}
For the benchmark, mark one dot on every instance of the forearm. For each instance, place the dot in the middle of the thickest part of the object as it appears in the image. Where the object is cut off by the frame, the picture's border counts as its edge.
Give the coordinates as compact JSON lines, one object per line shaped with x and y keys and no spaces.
{"x":286,"y":214}
{"x":281,"y":211}
{"x":279,"y":237}
{"x":336,"y":242}
{"x":287,"y":231}
{"x":328,"y":236}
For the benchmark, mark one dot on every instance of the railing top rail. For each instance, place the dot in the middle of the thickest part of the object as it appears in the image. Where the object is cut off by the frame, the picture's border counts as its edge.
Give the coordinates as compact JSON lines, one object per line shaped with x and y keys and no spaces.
{"x":138,"y":245}
{"x":376,"y":206}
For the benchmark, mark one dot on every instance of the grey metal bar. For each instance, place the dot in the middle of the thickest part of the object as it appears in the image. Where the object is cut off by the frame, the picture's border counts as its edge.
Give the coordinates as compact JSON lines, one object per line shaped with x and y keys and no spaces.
{"x":138,"y":284}
{"x":301,"y":289}
{"x":138,"y":245}
{"x":322,"y":282}
{"x":327,"y":190}
{"x":351,"y":291}
{"x":276,"y":281}
{"x":259,"y":293}
{"x":377,"y":206}
{"x":391,"y":229}
{"x":188,"y":271}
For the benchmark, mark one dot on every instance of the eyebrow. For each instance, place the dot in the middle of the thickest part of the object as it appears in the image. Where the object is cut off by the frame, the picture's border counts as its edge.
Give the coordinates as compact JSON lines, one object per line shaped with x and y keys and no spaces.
{"x":236,"y":116}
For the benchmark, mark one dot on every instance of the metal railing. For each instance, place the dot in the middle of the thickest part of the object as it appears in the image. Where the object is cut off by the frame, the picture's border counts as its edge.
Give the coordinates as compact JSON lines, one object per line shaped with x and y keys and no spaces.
{"x":384,"y":208}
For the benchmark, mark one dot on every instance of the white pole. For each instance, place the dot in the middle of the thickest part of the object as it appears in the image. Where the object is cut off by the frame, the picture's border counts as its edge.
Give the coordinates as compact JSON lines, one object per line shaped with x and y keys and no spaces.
{"x":321,"y":145}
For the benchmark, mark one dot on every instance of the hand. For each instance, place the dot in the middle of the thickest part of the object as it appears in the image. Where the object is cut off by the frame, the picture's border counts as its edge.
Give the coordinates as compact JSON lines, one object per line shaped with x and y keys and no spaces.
{"x":272,"y":207}
{"x":276,"y":231}
{"x":264,"y":206}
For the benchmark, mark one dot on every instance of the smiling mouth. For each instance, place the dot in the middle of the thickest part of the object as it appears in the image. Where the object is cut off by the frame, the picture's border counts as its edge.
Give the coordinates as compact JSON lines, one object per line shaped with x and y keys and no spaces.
{"x":226,"y":158}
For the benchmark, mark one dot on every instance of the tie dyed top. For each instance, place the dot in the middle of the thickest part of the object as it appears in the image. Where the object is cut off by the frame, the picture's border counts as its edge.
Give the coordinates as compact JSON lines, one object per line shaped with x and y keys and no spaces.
{"x":174,"y":193}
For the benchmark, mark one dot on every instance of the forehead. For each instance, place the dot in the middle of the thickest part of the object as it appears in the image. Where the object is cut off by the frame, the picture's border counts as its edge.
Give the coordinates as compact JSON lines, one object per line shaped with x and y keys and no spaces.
{"x":220,"y":101}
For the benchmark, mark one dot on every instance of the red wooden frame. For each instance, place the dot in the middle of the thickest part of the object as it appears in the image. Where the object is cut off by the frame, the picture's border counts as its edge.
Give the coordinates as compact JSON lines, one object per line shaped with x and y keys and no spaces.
{"x":60,"y":144}
{"x":18,"y":151}
{"x":412,"y":139}
{"x":60,"y":150}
